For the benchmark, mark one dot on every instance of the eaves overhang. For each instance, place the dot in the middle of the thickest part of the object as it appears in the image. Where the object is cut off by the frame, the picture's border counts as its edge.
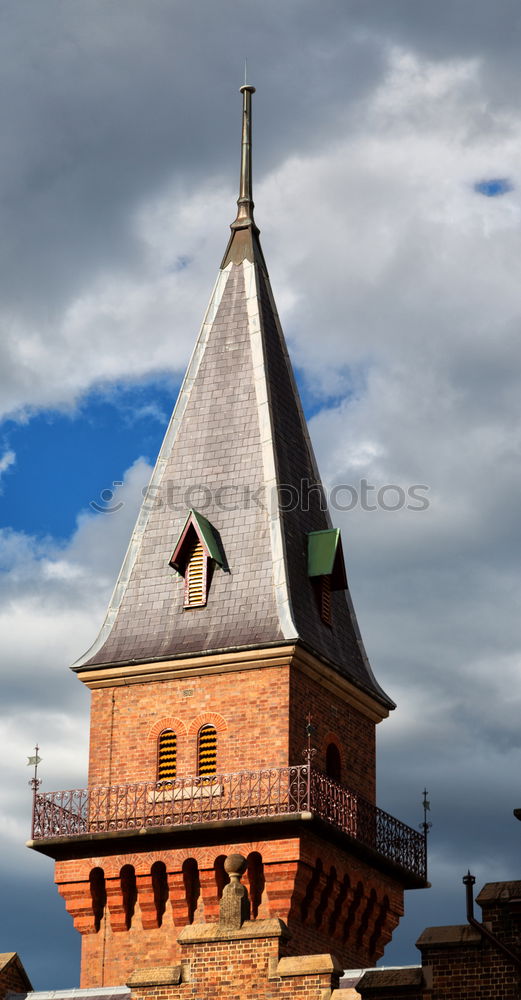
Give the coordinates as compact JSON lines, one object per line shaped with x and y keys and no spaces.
{"x":240,"y":658}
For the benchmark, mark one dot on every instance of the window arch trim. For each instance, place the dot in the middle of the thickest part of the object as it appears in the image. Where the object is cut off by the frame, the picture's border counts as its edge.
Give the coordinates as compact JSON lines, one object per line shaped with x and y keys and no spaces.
{"x":167,"y":722}
{"x":210,"y":718}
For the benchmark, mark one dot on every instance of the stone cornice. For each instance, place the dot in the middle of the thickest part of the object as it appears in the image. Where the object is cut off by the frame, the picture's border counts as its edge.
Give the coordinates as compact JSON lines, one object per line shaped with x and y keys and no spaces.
{"x":226,"y":661}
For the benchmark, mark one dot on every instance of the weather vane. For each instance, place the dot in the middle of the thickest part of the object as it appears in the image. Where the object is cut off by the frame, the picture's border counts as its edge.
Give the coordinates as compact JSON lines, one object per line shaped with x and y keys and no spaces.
{"x":33,"y":761}
{"x":310,"y":751}
{"x":425,"y":826}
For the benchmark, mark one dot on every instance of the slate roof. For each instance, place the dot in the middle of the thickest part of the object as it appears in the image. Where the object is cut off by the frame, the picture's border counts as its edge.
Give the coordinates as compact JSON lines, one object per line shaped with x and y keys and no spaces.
{"x":379,"y":979}
{"x":236,"y":441}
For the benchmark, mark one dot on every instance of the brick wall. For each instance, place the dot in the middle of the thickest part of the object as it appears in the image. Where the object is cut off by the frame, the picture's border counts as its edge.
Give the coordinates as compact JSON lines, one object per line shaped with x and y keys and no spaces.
{"x":469,"y":972}
{"x":260,"y":716}
{"x":321,"y":890}
{"x":249,"y":709}
{"x":334,"y":721}
{"x":329,"y":899}
{"x":462,"y":964}
{"x":237,"y":966}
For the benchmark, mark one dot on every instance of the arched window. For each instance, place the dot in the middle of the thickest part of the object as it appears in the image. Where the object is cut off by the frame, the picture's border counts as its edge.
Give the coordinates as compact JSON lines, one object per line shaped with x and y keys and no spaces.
{"x":333,"y":762}
{"x":207,"y":751}
{"x":192,"y":884}
{"x":99,"y":895}
{"x":167,"y":756}
{"x":127,"y":878}
{"x":160,"y":889}
{"x":257,"y":881}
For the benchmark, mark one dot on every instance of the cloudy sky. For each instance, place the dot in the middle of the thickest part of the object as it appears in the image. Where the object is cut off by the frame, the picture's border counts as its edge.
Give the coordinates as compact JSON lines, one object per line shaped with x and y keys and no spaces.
{"x":387,"y":185}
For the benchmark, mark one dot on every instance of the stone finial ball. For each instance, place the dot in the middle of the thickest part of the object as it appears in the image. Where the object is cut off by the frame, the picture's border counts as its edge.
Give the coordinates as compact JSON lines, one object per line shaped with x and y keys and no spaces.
{"x":235,"y":864}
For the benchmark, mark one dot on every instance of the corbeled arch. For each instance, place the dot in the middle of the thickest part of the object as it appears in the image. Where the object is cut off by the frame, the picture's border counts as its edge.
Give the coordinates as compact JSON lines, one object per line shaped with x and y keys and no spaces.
{"x":332,"y":737}
{"x":169,"y":722}
{"x":207,"y":718}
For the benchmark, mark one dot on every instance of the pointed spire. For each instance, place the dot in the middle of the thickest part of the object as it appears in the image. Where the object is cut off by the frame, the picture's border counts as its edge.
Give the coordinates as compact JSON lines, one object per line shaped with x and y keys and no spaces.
{"x":243,"y":243}
{"x":244,"y":217}
{"x":238,"y":427}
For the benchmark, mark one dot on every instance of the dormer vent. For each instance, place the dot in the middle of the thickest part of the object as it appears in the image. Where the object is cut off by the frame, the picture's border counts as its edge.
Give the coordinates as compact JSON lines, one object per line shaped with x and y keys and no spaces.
{"x":326,"y":568}
{"x":197,"y":551}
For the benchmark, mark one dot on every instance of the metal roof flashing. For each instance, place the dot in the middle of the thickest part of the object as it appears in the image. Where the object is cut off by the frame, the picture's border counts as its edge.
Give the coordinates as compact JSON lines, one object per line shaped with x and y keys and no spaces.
{"x":208,"y":536}
{"x":326,"y":558}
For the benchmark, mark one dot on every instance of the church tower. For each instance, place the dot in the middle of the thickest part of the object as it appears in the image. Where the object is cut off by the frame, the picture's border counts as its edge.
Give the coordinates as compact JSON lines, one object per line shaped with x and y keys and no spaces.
{"x":233,"y":704}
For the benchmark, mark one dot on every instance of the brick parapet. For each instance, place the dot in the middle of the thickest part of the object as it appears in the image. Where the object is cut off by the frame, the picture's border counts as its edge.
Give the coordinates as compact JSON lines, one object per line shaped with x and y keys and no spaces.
{"x":219,"y":962}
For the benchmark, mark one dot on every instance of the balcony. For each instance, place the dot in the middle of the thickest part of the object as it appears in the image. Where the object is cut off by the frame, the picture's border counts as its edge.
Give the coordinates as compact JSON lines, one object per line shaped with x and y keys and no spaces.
{"x":298,"y":793}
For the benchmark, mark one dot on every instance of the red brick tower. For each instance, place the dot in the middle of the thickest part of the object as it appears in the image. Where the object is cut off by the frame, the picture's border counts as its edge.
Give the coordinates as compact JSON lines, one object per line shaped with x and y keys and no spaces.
{"x":231,"y":624}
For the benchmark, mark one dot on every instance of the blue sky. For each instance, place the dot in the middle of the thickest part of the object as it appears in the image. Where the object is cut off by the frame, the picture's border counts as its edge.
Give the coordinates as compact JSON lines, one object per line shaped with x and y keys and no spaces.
{"x":493,"y":187}
{"x":387,"y":189}
{"x":65,"y":460}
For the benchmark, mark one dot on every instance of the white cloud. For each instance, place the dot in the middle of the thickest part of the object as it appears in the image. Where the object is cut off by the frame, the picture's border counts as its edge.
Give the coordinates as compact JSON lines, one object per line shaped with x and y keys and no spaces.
{"x":394,"y":253}
{"x":7,"y":460}
{"x":53,"y":601}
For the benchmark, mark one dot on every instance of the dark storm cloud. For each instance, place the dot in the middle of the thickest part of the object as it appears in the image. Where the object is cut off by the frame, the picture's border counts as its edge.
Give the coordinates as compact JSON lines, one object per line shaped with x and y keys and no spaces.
{"x":102,"y":103}
{"x":468,"y":28}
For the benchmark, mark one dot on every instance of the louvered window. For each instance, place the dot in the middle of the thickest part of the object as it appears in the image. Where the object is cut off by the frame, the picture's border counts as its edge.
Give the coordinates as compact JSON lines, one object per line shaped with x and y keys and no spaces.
{"x":167,"y":756}
{"x":324,"y":599}
{"x":196,"y":576}
{"x":207,"y":751}
{"x":326,"y":569}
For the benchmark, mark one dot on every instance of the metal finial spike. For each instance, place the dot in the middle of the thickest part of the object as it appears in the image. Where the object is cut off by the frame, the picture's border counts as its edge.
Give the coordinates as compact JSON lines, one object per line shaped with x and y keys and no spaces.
{"x":33,"y":761}
{"x":425,"y":826}
{"x":309,"y":751}
{"x":245,"y":72}
{"x":244,"y":217}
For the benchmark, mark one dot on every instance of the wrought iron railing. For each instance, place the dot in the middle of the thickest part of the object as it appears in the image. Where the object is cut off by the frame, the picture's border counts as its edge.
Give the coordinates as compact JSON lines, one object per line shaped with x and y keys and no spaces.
{"x":272,"y":791}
